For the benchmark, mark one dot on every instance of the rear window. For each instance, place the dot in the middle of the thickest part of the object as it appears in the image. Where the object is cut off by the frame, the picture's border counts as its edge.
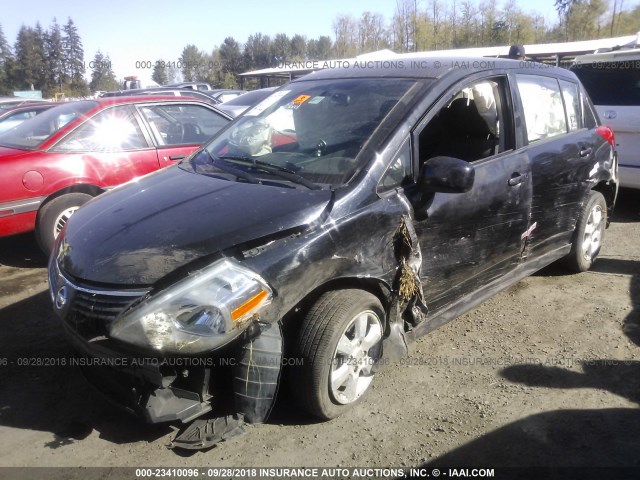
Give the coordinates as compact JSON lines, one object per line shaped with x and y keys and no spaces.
{"x":34,"y":132}
{"x":611,"y":83}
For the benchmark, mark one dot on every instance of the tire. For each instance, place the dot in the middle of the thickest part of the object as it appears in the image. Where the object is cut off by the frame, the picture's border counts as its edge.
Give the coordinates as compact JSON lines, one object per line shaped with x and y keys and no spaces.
{"x":336,"y":365}
{"x":54,"y":215}
{"x":588,"y":235}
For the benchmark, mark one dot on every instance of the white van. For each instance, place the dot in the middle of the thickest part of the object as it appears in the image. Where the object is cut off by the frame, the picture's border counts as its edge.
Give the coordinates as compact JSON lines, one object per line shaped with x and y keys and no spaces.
{"x":612,"y":80}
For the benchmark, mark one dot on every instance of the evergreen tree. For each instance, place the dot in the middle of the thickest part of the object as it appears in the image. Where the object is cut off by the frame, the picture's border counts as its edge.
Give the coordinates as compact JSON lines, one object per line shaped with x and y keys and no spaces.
{"x":56,"y":76}
{"x":231,"y":56}
{"x":159,"y":74}
{"x":102,"y":76}
{"x":257,"y":52}
{"x":192,"y":61}
{"x":74,"y":59}
{"x":30,"y":67}
{"x":280,"y":48}
{"x":173,"y":73}
{"x":298,"y":48}
{"x":6,"y":63}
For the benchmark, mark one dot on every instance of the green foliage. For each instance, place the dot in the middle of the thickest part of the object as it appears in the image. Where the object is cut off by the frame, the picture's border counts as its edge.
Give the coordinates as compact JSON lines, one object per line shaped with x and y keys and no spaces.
{"x":52,"y":60}
{"x":257,"y":52}
{"x":56,"y":76}
{"x":73,"y":52}
{"x":193,"y":63}
{"x":7,"y":64}
{"x":102,"y":76}
{"x":230,"y":56}
{"x":159,"y":74}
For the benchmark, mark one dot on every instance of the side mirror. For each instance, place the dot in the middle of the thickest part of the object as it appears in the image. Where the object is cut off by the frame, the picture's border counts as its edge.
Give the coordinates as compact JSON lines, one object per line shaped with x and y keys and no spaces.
{"x":447,"y":175}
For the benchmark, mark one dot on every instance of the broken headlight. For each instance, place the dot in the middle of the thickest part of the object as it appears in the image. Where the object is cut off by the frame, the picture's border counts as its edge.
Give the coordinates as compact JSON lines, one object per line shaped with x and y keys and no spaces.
{"x":197,"y":314}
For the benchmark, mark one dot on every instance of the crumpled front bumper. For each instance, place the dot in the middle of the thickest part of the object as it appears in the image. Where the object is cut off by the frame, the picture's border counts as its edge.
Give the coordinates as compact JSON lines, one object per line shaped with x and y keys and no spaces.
{"x":152,"y":388}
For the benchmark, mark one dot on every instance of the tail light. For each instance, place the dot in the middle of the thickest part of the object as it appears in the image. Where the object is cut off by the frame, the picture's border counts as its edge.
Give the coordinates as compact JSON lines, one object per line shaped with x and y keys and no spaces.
{"x":607,"y":134}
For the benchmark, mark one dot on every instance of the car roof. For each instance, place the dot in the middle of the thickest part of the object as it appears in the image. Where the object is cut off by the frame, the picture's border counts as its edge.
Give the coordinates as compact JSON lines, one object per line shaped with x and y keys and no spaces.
{"x":242,"y":100}
{"x":26,"y":106}
{"x":104,"y":101}
{"x":430,"y":67}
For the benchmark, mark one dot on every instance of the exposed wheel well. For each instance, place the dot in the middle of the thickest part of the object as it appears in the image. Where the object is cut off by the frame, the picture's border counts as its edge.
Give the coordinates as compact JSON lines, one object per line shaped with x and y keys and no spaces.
{"x":608,"y":191}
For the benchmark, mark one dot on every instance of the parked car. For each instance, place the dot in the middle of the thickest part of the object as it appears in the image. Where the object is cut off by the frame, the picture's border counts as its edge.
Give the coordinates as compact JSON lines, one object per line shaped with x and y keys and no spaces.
{"x":15,"y":115}
{"x":201,"y":86}
{"x":164,"y":91}
{"x":6,"y":102}
{"x":397,"y":199}
{"x":54,"y":163}
{"x":612,"y":80}
{"x":239,"y":104}
{"x":224,"y":95}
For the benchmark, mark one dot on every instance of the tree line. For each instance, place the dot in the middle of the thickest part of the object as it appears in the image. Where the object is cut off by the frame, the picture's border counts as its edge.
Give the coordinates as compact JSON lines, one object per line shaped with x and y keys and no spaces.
{"x":415,"y":26}
{"x":52,"y":60}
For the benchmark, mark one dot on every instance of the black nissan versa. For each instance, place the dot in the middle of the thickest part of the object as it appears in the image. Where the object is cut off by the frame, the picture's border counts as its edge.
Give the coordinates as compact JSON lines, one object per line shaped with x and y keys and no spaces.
{"x":347,"y":214}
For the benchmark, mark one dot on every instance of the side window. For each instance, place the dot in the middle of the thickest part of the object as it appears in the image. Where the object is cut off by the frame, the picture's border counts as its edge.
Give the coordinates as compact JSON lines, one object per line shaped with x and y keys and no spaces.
{"x":21,"y":116}
{"x":471,"y":126}
{"x":111,"y":130}
{"x":572,"y":104}
{"x":399,"y":171}
{"x":179,"y":124}
{"x":542,"y":104}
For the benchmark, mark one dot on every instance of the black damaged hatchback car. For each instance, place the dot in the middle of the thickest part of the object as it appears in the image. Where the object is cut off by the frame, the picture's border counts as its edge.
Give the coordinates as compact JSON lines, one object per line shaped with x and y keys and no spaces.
{"x":348,"y":213}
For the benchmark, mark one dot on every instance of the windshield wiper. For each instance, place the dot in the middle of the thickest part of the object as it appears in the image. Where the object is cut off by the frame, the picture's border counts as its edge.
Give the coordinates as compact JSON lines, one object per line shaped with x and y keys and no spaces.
{"x":237,"y":172}
{"x":278,"y":170}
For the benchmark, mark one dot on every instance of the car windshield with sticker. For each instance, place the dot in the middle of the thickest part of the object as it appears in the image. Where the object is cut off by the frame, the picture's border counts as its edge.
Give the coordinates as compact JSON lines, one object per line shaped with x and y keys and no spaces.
{"x":322,"y":131}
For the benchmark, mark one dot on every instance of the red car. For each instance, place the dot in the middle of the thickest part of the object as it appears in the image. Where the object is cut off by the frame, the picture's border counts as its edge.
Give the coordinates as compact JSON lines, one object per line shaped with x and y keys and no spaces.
{"x":54,"y":163}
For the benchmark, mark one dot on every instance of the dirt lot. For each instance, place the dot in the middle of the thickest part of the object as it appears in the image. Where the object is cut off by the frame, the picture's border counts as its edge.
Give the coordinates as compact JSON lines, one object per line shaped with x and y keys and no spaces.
{"x":546,"y":373}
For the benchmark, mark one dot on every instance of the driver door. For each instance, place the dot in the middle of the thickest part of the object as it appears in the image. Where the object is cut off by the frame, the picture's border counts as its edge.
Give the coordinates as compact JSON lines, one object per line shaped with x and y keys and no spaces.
{"x":471,"y":239}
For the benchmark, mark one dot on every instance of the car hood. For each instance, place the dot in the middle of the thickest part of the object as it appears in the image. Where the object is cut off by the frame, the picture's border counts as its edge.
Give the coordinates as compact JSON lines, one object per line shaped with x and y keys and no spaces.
{"x":140,"y":232}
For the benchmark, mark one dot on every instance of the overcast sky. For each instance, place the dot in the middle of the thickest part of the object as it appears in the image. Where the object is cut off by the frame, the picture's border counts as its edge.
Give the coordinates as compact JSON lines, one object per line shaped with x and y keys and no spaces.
{"x":136,"y":30}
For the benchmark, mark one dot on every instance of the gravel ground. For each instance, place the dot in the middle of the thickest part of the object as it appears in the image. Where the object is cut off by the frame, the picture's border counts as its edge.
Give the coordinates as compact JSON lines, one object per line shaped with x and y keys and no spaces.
{"x":545,"y":373}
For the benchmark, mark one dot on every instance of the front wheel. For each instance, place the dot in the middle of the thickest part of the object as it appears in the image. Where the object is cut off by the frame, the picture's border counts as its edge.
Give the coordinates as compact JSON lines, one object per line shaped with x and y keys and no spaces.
{"x":340,"y":340}
{"x":54,"y":216}
{"x":589,"y":234}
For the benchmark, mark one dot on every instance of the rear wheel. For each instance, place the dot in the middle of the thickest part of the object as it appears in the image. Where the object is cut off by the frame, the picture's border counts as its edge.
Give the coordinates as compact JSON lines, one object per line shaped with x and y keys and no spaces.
{"x":340,"y":340}
{"x":589,"y":234}
{"x":54,"y":216}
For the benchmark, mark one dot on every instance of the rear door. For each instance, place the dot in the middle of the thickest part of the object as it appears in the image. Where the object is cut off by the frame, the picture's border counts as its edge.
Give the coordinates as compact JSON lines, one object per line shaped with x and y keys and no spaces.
{"x":470,"y":239}
{"x":563,"y":153}
{"x":180,"y":128}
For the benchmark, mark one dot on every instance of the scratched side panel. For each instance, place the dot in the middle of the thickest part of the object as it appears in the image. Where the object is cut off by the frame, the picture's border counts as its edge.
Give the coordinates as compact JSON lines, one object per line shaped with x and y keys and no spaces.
{"x":562,"y":179}
{"x":468,"y":239}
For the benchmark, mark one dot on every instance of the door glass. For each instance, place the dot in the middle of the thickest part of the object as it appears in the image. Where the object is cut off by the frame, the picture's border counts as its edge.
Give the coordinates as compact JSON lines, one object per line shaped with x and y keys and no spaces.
{"x":572,"y":104}
{"x":470,"y":126}
{"x":112,"y":130}
{"x":542,"y":104}
{"x":182,"y":124}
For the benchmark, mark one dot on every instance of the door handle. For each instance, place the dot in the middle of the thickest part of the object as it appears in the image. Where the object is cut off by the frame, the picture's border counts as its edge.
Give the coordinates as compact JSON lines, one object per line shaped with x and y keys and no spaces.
{"x":516,"y":179}
{"x":585,"y":152}
{"x":176,"y":157}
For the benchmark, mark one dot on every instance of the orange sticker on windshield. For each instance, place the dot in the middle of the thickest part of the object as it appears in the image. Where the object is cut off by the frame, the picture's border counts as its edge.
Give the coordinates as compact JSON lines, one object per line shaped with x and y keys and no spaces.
{"x":301,"y":99}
